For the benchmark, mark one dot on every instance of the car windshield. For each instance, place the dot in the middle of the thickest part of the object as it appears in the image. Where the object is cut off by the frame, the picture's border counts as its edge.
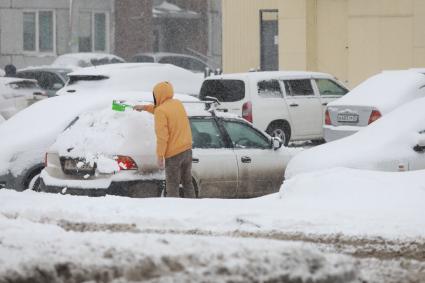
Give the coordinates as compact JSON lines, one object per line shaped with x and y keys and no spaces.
{"x":75,"y":79}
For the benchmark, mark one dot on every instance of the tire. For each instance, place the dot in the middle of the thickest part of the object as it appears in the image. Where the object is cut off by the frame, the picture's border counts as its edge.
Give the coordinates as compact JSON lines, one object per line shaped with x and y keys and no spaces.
{"x":280,"y":130}
{"x":35,"y":183}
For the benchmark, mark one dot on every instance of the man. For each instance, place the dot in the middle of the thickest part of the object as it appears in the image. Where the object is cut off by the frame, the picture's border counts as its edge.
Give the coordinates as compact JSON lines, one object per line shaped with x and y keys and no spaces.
{"x":173,"y":139}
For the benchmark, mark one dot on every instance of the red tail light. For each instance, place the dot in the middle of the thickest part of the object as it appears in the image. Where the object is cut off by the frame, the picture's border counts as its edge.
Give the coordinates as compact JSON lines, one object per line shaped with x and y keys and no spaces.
{"x":327,"y":118}
{"x":126,"y":163}
{"x":375,"y":115}
{"x":247,"y":111}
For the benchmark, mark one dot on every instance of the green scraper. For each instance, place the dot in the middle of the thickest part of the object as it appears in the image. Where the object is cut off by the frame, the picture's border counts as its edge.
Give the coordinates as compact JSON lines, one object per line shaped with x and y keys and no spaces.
{"x":119,"y":105}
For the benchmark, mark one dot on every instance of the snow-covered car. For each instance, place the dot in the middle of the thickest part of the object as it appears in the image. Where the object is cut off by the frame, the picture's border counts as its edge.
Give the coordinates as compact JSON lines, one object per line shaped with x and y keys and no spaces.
{"x":107,"y":152}
{"x":375,"y":97}
{"x":48,"y":78}
{"x":23,"y":145}
{"x":131,"y":77}
{"x":396,"y":142}
{"x":81,"y":60}
{"x":17,"y":94}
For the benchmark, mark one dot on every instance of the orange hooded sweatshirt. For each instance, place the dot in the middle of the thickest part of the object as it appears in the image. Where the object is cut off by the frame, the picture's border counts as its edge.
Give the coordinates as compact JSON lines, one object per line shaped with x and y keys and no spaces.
{"x":172,"y":128}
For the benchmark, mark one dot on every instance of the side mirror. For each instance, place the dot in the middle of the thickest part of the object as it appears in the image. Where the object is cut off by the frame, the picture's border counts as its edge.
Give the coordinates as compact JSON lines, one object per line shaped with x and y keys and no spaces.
{"x":420,"y":147}
{"x":276,"y":143}
{"x":57,"y":86}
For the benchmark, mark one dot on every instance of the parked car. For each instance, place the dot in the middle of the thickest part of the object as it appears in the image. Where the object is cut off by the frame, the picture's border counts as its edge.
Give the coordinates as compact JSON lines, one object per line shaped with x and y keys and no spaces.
{"x":17,"y":94}
{"x":395,"y":142}
{"x":375,"y":97}
{"x":106,"y":152}
{"x":26,"y":136}
{"x":49,"y":79}
{"x":289,"y":105}
{"x":80,"y":60}
{"x":131,"y":77}
{"x":181,"y":60}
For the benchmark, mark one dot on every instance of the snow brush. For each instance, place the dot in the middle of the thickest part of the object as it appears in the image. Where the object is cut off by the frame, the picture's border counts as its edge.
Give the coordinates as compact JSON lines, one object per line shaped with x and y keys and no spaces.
{"x":120,"y":106}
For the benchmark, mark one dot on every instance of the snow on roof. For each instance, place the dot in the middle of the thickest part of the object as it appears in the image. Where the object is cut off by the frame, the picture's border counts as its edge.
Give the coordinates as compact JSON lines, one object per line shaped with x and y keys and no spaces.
{"x":136,"y":76}
{"x":385,"y":91}
{"x":8,"y":80}
{"x":73,"y":60}
{"x":169,"y":10}
{"x":272,"y":74}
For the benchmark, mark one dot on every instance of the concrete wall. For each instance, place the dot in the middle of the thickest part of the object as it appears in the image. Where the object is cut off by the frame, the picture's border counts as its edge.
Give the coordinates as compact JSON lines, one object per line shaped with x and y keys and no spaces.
{"x":352,"y":39}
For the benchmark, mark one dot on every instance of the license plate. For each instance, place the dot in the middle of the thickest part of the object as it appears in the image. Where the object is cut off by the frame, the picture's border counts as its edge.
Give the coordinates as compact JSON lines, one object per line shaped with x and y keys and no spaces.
{"x":348,"y":118}
{"x":77,"y":165}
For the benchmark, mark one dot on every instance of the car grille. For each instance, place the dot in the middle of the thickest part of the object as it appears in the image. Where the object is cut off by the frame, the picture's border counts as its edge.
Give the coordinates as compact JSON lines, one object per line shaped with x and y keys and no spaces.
{"x":77,"y":166}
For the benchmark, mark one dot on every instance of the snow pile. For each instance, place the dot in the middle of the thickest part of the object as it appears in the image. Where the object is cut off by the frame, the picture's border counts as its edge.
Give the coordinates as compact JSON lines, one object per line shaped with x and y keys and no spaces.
{"x":385,"y":91}
{"x":99,"y":136}
{"x":383,"y":145}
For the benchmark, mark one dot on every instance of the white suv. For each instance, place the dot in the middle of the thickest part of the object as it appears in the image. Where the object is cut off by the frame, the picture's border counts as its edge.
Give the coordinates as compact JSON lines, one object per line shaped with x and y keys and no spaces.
{"x":289,"y":105}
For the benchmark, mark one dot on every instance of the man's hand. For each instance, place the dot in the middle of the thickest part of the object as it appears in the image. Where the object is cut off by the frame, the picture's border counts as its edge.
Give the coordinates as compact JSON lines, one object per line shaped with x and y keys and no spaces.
{"x":160,"y":162}
{"x":139,"y":108}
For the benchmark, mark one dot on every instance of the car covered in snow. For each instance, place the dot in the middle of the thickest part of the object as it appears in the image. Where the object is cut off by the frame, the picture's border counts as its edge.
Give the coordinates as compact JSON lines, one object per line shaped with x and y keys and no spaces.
{"x":107,"y":152}
{"x":131,"y":77}
{"x":85,"y":59}
{"x":17,"y":94}
{"x":396,"y":142}
{"x":373,"y":98}
{"x":27,"y":135}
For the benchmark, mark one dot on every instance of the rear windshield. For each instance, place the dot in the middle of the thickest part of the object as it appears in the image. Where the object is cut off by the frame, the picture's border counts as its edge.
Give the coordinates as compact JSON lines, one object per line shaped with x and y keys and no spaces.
{"x":74,"y":79}
{"x":223,"y":90}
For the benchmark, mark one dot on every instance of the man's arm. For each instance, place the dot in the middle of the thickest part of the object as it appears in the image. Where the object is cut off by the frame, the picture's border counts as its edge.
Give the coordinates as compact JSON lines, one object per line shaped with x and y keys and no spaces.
{"x":149,"y":108}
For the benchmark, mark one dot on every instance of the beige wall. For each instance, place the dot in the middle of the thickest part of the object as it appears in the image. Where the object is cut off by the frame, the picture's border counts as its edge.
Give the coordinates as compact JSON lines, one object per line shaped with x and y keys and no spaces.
{"x":351,"y":39}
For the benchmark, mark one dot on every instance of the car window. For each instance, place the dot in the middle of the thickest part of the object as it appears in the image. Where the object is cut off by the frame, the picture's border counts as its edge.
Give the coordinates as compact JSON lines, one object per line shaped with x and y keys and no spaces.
{"x":298,"y":87}
{"x":205,"y":134}
{"x":269,"y":89}
{"x":196,"y":65}
{"x":244,"y":136}
{"x":177,"y":61}
{"x":328,"y":87}
{"x":223,"y":90}
{"x":143,"y":59}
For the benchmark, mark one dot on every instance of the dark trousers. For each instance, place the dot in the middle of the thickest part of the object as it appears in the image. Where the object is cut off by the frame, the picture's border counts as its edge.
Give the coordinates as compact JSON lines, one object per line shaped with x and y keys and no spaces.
{"x":178,"y":170}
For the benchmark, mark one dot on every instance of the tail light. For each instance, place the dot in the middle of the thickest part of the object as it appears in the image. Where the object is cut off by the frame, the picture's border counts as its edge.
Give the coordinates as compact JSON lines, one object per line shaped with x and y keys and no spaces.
{"x":375,"y":115}
{"x":126,"y":163}
{"x":327,"y":118}
{"x":247,"y":111}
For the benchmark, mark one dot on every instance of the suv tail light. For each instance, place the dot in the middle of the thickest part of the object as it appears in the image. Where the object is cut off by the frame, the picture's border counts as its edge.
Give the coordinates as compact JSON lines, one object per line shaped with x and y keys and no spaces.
{"x":375,"y":115}
{"x":247,"y":111}
{"x":327,"y":118}
{"x":126,"y":163}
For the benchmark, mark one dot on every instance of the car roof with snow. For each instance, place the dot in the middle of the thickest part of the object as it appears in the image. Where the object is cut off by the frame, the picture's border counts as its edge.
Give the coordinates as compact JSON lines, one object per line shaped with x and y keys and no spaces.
{"x":84,"y":59}
{"x":272,"y":75}
{"x":8,"y":80}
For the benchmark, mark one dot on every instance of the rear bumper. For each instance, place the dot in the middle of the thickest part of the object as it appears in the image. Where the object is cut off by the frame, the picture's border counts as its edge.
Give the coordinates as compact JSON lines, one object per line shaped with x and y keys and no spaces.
{"x":136,"y":189}
{"x":332,"y":133}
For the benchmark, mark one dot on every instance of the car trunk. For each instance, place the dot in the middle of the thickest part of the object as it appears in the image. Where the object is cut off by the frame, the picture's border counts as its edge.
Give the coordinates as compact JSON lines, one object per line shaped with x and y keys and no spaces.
{"x":344,"y":115}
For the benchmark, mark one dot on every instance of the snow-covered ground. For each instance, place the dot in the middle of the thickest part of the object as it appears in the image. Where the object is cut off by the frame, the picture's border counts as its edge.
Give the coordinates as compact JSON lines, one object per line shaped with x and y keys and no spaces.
{"x":363,"y":213}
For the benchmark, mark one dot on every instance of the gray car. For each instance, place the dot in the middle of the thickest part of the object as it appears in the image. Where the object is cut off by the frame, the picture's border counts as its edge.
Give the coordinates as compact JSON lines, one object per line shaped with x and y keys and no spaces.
{"x":231,"y":158}
{"x":49,"y":79}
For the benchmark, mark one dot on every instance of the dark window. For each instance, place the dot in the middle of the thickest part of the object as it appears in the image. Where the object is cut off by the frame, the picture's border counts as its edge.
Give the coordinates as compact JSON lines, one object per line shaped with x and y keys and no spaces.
{"x":143,"y":59}
{"x":269,"y":89}
{"x":196,"y":65}
{"x":243,"y":136}
{"x":177,"y":61}
{"x":205,"y":134}
{"x":299,"y":88}
{"x":223,"y":90}
{"x":328,"y":87}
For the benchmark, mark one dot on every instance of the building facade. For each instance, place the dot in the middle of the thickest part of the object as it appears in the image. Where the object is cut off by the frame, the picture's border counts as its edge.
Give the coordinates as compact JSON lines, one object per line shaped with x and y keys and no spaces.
{"x":352,"y":39}
{"x":35,"y":32}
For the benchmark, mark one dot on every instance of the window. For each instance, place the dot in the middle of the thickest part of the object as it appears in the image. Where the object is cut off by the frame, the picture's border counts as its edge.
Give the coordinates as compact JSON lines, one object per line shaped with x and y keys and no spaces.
{"x":223,"y":90}
{"x":205,"y":134}
{"x":298,"y":88}
{"x":269,"y":89}
{"x":93,"y":32}
{"x":39,"y":31}
{"x":328,"y":87}
{"x":143,"y":58}
{"x":243,"y":136}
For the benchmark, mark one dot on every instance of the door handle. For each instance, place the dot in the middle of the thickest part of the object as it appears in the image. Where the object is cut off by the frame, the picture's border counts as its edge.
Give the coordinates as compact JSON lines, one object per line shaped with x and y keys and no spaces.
{"x":246,"y":159}
{"x":195,"y":160}
{"x":293,"y":105}
{"x":324,"y":103}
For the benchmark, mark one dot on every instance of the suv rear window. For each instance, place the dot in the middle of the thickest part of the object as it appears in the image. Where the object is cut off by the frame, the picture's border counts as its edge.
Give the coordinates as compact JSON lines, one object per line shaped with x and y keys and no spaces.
{"x":223,"y":90}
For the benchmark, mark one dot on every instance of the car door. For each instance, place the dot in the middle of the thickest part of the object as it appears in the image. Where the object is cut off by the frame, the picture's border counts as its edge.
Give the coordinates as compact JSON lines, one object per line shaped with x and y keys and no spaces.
{"x":329,"y":91}
{"x":214,"y":165}
{"x":261,"y":168}
{"x":305,"y":109}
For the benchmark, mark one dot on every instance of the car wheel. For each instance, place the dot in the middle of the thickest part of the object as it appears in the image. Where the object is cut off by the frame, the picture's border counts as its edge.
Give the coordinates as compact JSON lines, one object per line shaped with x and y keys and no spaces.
{"x":280,"y":130}
{"x":35,"y":183}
